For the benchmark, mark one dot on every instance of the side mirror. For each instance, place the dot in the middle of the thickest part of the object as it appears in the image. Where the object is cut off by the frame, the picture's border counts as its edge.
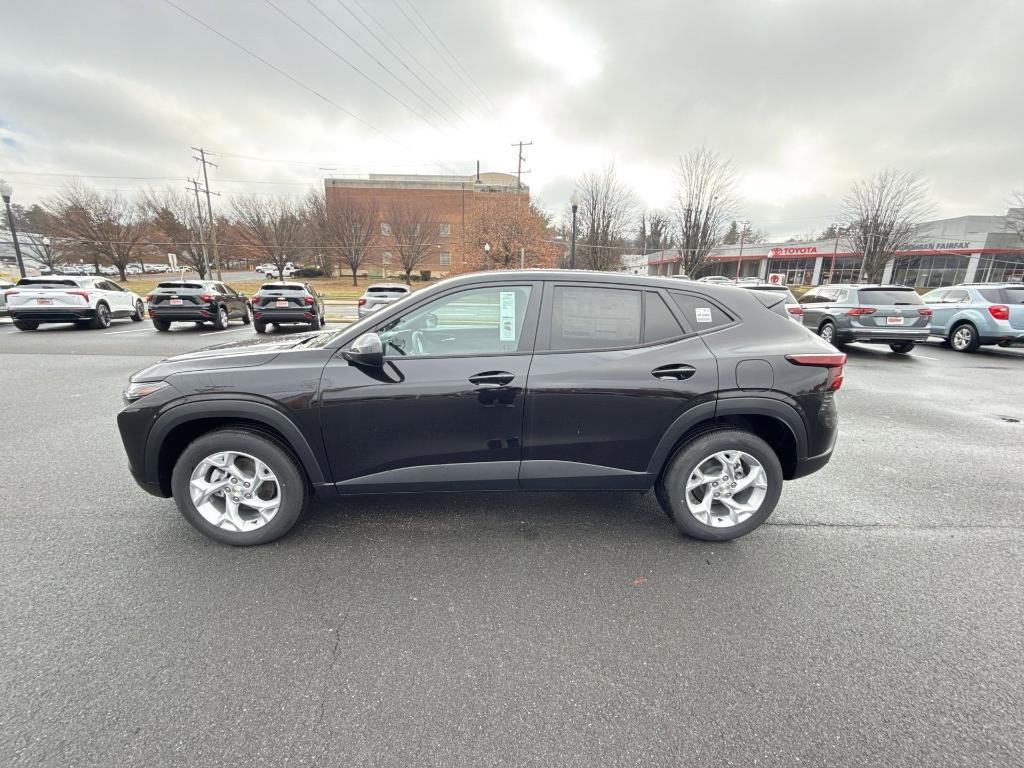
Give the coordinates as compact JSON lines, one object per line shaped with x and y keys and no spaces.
{"x":367,"y":350}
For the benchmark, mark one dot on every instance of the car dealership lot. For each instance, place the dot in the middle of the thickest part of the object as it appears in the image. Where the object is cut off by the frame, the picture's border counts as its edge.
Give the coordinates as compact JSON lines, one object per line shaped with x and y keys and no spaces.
{"x":875,"y":619}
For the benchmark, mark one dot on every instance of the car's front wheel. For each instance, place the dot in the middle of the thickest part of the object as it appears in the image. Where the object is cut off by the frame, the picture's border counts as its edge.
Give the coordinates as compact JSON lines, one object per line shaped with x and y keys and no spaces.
{"x":239,"y":487}
{"x":721,"y":486}
{"x":139,"y":313}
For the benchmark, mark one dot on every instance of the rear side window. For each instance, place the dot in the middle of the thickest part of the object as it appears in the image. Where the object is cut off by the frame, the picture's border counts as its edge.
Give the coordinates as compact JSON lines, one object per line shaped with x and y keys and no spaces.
{"x":594,"y":318}
{"x":875,"y":296}
{"x":659,"y":322}
{"x":1012,"y":295}
{"x":700,"y":313}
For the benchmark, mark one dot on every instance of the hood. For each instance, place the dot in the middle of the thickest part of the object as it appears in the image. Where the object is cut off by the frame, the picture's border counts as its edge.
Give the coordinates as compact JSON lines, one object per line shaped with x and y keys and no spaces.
{"x":236,"y":354}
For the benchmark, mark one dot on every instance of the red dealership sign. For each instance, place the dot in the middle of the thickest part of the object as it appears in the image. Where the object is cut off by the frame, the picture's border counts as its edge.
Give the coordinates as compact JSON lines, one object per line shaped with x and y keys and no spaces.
{"x":796,"y":250}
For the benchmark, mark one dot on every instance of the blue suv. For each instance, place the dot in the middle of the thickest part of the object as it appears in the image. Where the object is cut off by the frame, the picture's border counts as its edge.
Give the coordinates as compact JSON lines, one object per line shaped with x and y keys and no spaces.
{"x":969,"y":315}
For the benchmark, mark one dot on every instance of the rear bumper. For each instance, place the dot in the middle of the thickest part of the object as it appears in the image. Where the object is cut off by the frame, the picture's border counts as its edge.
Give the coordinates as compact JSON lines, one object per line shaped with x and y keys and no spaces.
{"x":186,"y":314}
{"x":53,"y":314}
{"x":883,"y":335}
{"x":811,"y":464}
{"x":273,"y":315}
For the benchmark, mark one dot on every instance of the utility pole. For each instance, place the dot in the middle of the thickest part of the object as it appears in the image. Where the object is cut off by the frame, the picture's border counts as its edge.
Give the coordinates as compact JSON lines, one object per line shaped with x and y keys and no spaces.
{"x":209,"y":207}
{"x":202,"y":239}
{"x":519,"y":163}
{"x":739,"y":259}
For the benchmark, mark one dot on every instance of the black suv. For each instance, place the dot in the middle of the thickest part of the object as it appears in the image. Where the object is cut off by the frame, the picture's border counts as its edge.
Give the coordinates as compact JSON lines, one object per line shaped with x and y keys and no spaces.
{"x":196,"y":301}
{"x":286,"y":303}
{"x":498,"y":381}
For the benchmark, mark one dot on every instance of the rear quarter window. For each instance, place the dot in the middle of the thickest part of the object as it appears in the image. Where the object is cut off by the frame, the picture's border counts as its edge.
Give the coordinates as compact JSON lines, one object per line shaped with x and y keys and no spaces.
{"x":699,"y":313}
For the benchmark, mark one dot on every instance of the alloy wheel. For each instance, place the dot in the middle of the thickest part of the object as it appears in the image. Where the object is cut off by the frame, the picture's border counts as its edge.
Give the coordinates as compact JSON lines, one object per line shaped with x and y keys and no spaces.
{"x":726,"y":488}
{"x":827,"y":332}
{"x":235,"y":491}
{"x":962,"y":338}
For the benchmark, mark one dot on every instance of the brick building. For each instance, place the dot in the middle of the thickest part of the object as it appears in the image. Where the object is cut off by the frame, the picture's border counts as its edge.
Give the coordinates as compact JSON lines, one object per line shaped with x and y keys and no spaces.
{"x":451,"y":199}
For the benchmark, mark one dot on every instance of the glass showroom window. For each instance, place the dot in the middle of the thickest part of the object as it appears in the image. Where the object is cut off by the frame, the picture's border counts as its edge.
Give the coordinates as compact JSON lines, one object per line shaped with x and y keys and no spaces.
{"x":846,"y":270}
{"x":930,"y":271}
{"x":1001,"y":268}
{"x":797,"y":271}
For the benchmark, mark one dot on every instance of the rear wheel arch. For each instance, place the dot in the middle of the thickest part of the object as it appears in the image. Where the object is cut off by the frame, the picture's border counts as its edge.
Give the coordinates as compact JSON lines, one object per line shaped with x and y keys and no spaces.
{"x":177,"y":428}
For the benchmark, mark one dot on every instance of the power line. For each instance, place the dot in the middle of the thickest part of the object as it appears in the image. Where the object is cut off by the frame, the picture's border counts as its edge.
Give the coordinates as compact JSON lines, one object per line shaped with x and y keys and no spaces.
{"x":452,"y":55}
{"x":411,"y":55}
{"x":356,"y":69}
{"x":281,"y":72}
{"x":378,"y":62}
{"x":422,"y":34}
{"x":401,"y":61}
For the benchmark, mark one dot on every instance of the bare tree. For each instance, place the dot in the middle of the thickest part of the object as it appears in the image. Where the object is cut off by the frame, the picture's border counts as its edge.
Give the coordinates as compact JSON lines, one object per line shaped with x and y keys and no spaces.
{"x":414,"y":234}
{"x":517,"y":234}
{"x":269,"y":226}
{"x":348,"y":227}
{"x":176,"y":220}
{"x":706,"y":201}
{"x":1015,"y":219}
{"x":38,"y":233}
{"x":105,"y":223}
{"x":883,"y":213}
{"x":654,"y":232}
{"x":606,"y":212}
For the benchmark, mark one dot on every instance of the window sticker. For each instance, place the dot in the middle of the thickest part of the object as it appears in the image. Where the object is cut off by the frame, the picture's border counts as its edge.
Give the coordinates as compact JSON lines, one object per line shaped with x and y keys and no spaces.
{"x":703,"y":314}
{"x":507,"y":314}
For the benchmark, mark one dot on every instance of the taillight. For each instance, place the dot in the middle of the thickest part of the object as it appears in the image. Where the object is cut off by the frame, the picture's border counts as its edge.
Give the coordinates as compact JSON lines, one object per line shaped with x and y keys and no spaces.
{"x":861,"y":311}
{"x":83,"y":294}
{"x":254,"y":297}
{"x":999,"y":311}
{"x":206,"y":297}
{"x":149,"y":298}
{"x":835,"y":363}
{"x":361,"y":302}
{"x":310,"y":300}
{"x":926,"y":311}
{"x":795,"y":310}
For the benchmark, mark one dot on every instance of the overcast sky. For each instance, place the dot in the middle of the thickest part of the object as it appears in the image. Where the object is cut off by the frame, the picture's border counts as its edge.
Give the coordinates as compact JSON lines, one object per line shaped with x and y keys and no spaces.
{"x":803,"y":96}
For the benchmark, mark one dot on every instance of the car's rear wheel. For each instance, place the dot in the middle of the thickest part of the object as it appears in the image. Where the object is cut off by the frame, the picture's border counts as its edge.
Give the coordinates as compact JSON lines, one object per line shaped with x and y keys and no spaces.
{"x":827,"y":331}
{"x":101,"y":319}
{"x":220,"y":321}
{"x":902,"y":347}
{"x":259,"y":326}
{"x":721,"y":486}
{"x":964,"y":338}
{"x":239,"y":487}
{"x":140,"y":312}
{"x":161,"y":325}
{"x":26,"y":325}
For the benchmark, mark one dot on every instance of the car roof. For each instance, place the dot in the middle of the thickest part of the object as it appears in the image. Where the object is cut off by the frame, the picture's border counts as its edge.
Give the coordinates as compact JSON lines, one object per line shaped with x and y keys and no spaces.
{"x":389,"y":285}
{"x":763,"y":286}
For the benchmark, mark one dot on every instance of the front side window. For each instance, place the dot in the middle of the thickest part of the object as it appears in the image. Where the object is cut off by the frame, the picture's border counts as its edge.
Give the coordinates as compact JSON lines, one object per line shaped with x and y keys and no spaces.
{"x":933,"y":297}
{"x":482,"y":321}
{"x":956,"y":297}
{"x":594,"y":318}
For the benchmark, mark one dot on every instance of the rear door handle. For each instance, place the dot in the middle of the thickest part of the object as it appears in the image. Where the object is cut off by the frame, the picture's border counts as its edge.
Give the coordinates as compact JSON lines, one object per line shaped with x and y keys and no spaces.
{"x":492,"y":378}
{"x":675,"y":372}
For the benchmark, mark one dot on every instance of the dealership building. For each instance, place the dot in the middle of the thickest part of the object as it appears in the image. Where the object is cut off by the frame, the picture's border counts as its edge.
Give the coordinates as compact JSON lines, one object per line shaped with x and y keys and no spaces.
{"x":982,"y":249}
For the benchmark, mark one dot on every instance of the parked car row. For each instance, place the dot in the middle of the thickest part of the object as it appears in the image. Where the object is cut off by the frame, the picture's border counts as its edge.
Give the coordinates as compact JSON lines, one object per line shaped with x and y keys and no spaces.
{"x":107,"y":269}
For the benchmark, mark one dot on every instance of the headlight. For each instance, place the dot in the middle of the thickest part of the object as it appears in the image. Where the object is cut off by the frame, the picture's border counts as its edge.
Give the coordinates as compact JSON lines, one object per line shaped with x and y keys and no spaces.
{"x":139,"y":389}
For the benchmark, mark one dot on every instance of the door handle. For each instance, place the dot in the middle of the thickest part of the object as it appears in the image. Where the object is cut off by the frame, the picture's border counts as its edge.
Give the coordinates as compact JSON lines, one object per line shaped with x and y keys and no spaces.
{"x":492,"y":378}
{"x":674,"y":372}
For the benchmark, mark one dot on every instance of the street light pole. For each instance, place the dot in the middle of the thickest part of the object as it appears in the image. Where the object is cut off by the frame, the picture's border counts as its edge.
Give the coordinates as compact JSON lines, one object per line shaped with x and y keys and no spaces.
{"x":739,"y":258}
{"x":572,"y":244}
{"x":5,"y":192}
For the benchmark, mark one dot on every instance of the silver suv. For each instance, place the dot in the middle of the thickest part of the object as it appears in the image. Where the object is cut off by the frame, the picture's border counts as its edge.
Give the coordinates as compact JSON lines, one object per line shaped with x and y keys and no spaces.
{"x":380,"y":295}
{"x":876,"y":314}
{"x":968,"y":316}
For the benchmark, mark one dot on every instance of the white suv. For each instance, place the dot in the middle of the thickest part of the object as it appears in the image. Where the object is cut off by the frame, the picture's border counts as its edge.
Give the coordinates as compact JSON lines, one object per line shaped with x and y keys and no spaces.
{"x":270,"y":270}
{"x":88,"y":302}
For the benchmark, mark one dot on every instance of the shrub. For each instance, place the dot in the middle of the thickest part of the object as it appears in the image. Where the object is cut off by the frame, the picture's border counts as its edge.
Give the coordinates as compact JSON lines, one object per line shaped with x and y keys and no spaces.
{"x":424,"y":274}
{"x":310,"y":272}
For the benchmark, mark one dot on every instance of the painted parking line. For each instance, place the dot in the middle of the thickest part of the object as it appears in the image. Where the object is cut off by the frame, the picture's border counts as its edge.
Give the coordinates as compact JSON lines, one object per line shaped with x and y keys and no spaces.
{"x":227,"y":330}
{"x":133,"y":330}
{"x":925,"y":357}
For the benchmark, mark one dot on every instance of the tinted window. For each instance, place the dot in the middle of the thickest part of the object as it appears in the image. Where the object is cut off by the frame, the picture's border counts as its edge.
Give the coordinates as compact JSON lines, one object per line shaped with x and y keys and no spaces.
{"x":956,"y":297}
{"x":484,"y":321}
{"x":811,"y":297}
{"x":933,"y":296}
{"x":876,"y":296}
{"x":659,"y":322}
{"x":594,"y":318}
{"x":699,"y":313}
{"x":1012,"y":295}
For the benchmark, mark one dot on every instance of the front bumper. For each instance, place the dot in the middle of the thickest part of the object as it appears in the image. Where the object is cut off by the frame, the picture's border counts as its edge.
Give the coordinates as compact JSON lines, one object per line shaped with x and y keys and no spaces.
{"x":53,"y":314}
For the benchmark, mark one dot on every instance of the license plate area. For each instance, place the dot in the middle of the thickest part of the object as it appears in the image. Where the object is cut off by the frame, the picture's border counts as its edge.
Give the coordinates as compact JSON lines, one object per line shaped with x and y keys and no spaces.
{"x":281,"y":303}
{"x":176,"y":302}
{"x":894,"y":320}
{"x":44,"y":302}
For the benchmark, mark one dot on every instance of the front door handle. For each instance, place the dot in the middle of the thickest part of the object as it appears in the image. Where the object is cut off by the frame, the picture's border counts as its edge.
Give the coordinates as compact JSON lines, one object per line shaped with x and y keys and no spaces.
{"x":674,"y":372}
{"x":492,"y":378}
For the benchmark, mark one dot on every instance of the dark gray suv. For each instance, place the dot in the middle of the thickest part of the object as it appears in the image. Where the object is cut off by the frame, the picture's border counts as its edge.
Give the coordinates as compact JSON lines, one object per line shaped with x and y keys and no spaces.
{"x":875,"y":314}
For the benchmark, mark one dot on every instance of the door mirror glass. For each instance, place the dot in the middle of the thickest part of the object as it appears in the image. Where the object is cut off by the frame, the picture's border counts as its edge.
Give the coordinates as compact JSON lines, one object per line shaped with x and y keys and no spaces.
{"x":367,"y":350}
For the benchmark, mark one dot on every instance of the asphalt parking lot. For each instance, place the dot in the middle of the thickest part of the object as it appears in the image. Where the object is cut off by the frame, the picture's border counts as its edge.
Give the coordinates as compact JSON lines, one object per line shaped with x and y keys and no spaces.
{"x":876,"y":620}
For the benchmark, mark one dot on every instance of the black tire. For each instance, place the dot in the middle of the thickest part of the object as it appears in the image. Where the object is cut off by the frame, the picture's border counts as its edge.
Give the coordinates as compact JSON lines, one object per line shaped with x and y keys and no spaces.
{"x":26,"y":325}
{"x":964,"y":338}
{"x":827,"y":331}
{"x":220,"y":321}
{"x":200,"y":323}
{"x":140,"y":312}
{"x":101,"y":319}
{"x":259,"y":326}
{"x":316,"y":324}
{"x":161,"y":325}
{"x":290,"y":477}
{"x":902,"y":347}
{"x":247,"y":314}
{"x":670,"y":488}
